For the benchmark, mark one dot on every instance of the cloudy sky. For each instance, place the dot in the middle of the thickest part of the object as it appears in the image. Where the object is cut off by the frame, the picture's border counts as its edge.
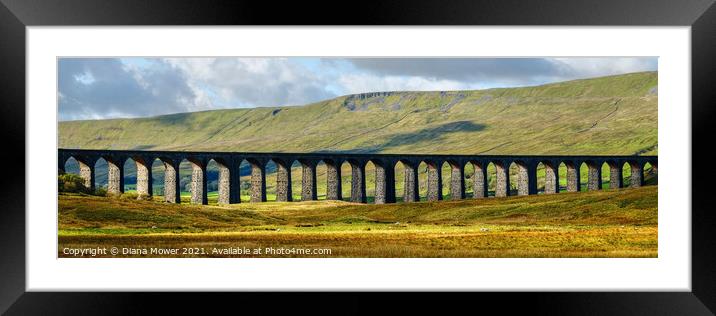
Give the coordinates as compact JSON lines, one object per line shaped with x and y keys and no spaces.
{"x":97,"y":88}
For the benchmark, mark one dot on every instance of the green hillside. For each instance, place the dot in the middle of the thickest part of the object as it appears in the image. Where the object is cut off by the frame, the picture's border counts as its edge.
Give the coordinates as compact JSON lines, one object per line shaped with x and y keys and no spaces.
{"x":607,"y":115}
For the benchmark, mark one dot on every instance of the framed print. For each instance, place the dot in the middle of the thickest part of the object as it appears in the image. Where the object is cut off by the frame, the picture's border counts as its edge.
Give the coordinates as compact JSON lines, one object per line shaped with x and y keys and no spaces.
{"x":173,"y":147}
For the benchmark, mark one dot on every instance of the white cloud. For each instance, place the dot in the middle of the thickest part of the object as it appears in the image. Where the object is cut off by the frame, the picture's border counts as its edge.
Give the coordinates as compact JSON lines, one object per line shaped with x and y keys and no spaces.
{"x":596,"y":67}
{"x":91,"y":88}
{"x":241,"y":82}
{"x":85,"y":78}
{"x":491,"y":72}
{"x":363,"y":82}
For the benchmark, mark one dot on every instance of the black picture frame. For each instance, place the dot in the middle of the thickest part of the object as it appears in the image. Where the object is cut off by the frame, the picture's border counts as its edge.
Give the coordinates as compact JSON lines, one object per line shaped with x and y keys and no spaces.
{"x":15,"y":15}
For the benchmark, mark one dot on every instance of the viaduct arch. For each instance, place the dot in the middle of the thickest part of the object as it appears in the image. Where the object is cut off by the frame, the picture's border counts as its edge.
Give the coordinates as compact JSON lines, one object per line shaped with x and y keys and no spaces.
{"x":229,"y":163}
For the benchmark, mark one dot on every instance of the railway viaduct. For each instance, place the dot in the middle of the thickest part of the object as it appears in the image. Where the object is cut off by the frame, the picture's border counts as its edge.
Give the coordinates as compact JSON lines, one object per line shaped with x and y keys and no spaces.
{"x":229,"y":163}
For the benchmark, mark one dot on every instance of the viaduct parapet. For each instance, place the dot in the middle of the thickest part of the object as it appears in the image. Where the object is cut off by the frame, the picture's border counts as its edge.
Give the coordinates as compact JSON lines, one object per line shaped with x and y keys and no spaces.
{"x":229,"y":162}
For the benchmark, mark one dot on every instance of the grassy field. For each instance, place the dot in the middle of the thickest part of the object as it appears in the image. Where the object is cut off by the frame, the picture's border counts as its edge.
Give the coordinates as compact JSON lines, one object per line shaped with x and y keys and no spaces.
{"x":609,"y":223}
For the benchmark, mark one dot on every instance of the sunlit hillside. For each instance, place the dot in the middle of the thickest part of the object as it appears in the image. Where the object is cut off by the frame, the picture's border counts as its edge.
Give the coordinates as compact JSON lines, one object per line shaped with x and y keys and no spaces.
{"x":607,"y":115}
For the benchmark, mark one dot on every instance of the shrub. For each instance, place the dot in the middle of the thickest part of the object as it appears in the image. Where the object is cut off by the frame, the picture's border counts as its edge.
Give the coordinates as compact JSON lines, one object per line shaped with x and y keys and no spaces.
{"x":70,"y":182}
{"x":114,"y":195}
{"x":135,"y":196}
{"x":129,"y":195}
{"x":100,"y":192}
{"x":144,"y":197}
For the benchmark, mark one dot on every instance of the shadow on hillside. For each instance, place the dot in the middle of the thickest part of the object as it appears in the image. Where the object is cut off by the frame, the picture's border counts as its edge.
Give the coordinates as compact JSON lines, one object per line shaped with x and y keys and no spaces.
{"x":432,"y":134}
{"x":142,"y":147}
{"x":172,"y":119}
{"x":427,"y":134}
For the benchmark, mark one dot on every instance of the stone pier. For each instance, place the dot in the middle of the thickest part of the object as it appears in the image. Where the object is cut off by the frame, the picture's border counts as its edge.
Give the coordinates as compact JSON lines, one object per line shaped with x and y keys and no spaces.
{"x":551,"y":179}
{"x":594,"y":177}
{"x":502,"y":181}
{"x":258,"y":181}
{"x":87,"y":173}
{"x":115,"y":177}
{"x":198,"y":183}
{"x":616,"y":179}
{"x":334,"y":190}
{"x":384,"y":184}
{"x":284,"y":192}
{"x":224,"y":184}
{"x":637,"y":175}
{"x":144,"y":178}
{"x":411,"y":191}
{"x":457,"y":181}
{"x":172,"y":187}
{"x":572,"y":178}
{"x":308,"y":181}
{"x":435,"y":182}
{"x":479,"y":181}
{"x":358,"y":182}
{"x":523,"y":180}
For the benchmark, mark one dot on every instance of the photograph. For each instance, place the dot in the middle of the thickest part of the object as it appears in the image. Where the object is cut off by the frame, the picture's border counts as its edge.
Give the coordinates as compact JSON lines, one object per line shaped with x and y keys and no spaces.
{"x":172,"y":155}
{"x":357,"y":157}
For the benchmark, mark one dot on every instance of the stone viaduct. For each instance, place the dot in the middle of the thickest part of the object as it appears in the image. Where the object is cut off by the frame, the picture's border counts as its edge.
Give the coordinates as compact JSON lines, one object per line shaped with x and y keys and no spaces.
{"x":229,"y":163}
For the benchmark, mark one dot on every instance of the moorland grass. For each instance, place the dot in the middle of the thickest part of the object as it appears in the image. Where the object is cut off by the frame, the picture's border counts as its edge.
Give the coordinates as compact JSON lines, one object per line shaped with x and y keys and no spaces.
{"x":609,"y":223}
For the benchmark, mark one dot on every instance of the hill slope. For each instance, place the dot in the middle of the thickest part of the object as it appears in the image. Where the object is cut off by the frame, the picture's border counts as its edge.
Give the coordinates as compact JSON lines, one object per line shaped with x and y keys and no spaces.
{"x":607,"y":115}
